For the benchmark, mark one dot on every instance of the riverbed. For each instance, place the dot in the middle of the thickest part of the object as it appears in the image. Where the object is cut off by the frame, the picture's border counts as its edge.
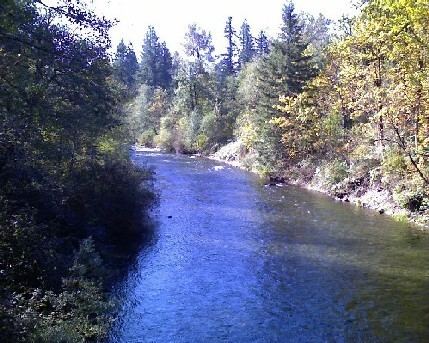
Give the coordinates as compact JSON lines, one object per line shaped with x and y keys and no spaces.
{"x":234,"y":260}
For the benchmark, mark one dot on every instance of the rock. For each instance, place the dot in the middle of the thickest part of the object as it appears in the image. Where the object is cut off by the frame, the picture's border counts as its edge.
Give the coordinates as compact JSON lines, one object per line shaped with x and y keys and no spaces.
{"x":340,"y":195}
{"x":415,"y":203}
{"x":381,"y":211}
{"x":170,"y":217}
{"x":277,"y":179}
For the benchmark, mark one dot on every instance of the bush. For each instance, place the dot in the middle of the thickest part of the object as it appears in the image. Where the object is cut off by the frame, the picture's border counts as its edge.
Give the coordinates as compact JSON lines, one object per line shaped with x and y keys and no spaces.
{"x":184,"y":135}
{"x":394,"y":163}
{"x":164,"y":139}
{"x":411,"y":193}
{"x":79,"y":311}
{"x":412,"y":201}
{"x":147,"y":138}
{"x":201,"y":142}
{"x":333,"y":172}
{"x":111,"y":195}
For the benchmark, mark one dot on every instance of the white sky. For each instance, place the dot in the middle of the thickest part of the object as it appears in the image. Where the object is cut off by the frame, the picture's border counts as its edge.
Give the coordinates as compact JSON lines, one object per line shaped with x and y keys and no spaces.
{"x":171,"y":17}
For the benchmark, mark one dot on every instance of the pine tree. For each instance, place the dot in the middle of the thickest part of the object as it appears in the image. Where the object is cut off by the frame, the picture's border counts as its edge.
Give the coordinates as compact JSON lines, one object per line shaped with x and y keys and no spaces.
{"x":126,"y":65}
{"x":148,"y":66}
{"x":247,"y":49}
{"x":165,"y":67}
{"x":156,"y":61}
{"x":262,"y":44}
{"x":228,"y":60}
{"x":283,"y":72}
{"x":297,"y":67}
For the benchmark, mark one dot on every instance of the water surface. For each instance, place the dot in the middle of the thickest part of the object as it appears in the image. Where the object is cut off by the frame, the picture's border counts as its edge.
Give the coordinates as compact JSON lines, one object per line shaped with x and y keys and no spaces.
{"x":234,"y":261}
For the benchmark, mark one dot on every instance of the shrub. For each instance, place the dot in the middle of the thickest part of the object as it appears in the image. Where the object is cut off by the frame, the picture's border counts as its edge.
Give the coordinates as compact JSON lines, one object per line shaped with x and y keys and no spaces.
{"x":411,"y":193}
{"x":147,"y":138}
{"x":333,"y":172}
{"x":111,"y":195}
{"x":201,"y":142}
{"x":165,"y":138}
{"x":394,"y":163}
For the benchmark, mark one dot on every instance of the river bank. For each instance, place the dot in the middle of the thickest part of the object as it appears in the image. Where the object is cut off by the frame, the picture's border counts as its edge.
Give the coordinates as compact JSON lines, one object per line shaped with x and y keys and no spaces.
{"x":356,"y":189}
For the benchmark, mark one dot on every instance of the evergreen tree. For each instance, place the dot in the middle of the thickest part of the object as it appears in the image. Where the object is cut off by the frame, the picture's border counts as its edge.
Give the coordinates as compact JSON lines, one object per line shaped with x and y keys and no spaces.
{"x":150,"y":53}
{"x":156,"y":61}
{"x":126,"y":65}
{"x":262,"y":44}
{"x":165,"y":67}
{"x":228,"y":60}
{"x":283,"y":72}
{"x":247,"y":49}
{"x":297,"y":66}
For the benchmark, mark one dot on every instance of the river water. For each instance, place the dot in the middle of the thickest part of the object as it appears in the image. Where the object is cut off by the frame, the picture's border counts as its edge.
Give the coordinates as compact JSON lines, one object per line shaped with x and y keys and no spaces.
{"x":232,"y":260}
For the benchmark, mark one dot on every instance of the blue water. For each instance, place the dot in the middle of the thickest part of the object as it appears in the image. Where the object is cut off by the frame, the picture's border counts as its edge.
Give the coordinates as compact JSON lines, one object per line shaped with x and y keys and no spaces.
{"x":241,"y":262}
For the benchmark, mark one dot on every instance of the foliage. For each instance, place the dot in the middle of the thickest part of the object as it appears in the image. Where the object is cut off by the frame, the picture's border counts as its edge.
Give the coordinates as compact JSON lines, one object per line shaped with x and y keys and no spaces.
{"x":64,"y":172}
{"x":353,"y":103}
{"x":125,"y":65}
{"x":81,"y":311}
{"x":156,"y":67}
{"x":283,"y":72}
{"x":229,"y":63}
{"x":333,"y":172}
{"x":368,"y":106}
{"x":394,"y":162}
{"x":247,"y":45}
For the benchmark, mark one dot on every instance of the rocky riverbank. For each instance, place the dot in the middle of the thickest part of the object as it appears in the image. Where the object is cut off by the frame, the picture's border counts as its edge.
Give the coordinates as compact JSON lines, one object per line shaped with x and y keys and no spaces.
{"x":359,"y":189}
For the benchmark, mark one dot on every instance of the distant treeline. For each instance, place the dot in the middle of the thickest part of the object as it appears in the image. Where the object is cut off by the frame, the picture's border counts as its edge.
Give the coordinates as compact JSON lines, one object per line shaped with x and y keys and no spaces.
{"x":348,"y":101}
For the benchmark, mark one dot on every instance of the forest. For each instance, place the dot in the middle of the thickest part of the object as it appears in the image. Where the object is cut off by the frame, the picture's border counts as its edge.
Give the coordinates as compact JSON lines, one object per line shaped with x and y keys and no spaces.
{"x":70,"y":199}
{"x":343,"y":106}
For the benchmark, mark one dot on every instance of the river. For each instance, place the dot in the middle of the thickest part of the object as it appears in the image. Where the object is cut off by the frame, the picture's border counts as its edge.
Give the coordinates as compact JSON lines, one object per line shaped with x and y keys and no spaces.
{"x":232,"y":260}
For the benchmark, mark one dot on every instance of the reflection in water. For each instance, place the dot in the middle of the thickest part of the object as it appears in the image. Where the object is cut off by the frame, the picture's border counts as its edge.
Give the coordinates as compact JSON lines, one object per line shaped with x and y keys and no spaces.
{"x":235,"y":261}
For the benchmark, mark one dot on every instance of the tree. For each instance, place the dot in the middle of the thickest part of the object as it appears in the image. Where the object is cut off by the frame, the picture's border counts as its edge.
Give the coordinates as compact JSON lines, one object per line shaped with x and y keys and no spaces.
{"x":390,"y":40}
{"x":156,"y":61}
{"x":283,"y":72}
{"x":247,"y":49}
{"x":199,"y":48}
{"x":198,"y":45}
{"x":262,"y":44}
{"x":165,"y":67}
{"x":316,"y":32}
{"x":298,"y":67}
{"x":368,"y":107}
{"x":228,"y":62}
{"x":126,"y":65}
{"x":62,"y":171}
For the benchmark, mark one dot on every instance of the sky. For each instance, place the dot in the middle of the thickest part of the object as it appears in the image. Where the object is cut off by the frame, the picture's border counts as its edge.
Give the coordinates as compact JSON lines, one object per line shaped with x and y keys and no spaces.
{"x":172,"y":17}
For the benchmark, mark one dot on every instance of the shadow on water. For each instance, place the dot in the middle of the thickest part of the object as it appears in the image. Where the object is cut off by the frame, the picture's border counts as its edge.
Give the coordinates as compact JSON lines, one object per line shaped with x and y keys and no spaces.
{"x":376,"y":268}
{"x":233,"y":261}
